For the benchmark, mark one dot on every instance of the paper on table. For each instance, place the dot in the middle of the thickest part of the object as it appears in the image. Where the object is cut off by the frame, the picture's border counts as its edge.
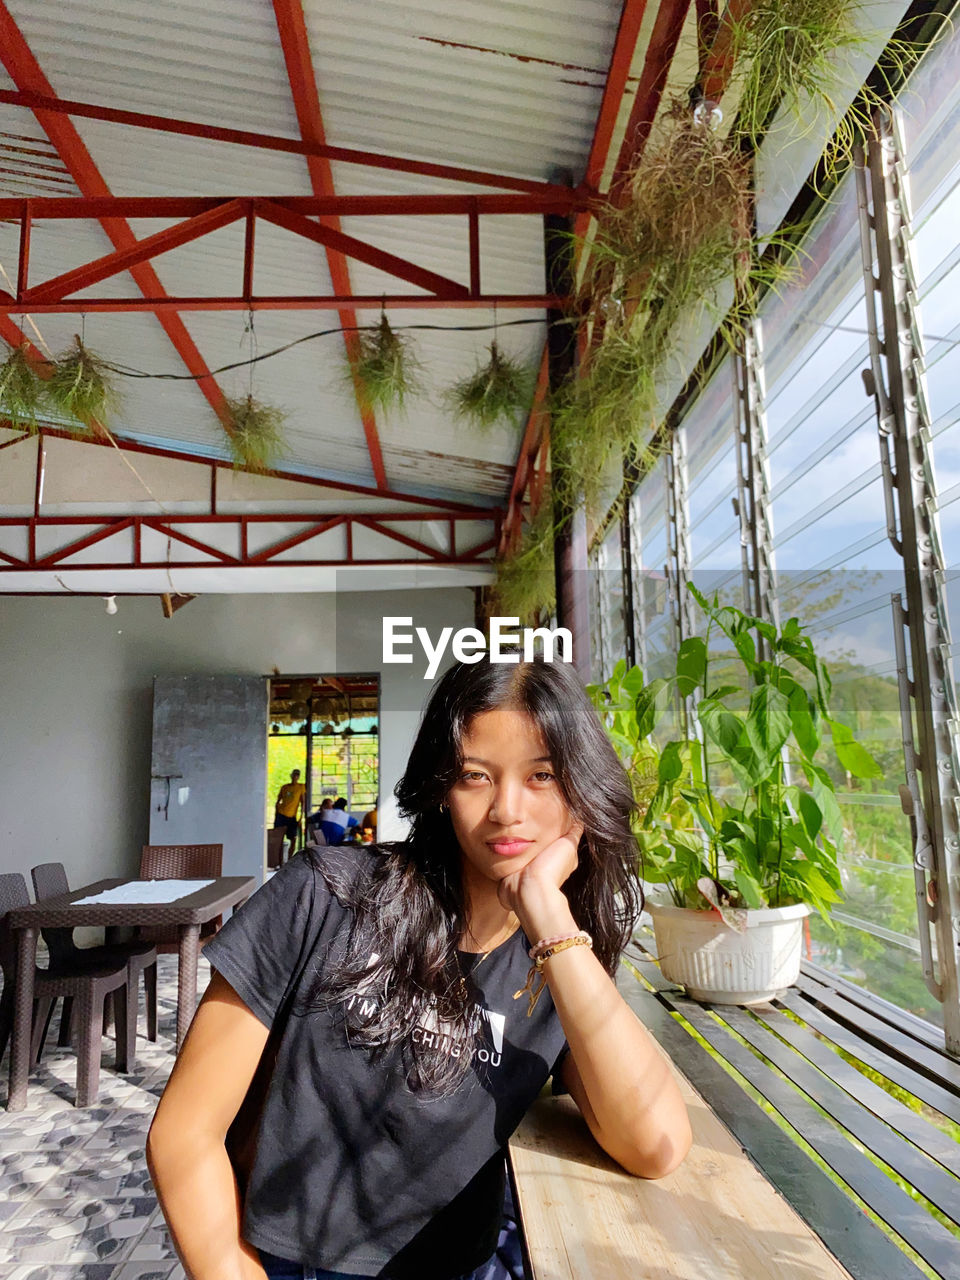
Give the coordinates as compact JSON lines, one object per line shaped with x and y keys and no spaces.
{"x":147,"y":891}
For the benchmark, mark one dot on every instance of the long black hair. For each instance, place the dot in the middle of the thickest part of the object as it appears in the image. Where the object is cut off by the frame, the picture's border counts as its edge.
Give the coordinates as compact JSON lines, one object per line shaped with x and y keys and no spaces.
{"x":409,"y":909}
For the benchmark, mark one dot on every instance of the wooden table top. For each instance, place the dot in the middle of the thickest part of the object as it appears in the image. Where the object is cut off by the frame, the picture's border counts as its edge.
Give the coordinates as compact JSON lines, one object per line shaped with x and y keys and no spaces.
{"x":63,"y":910}
{"x":716,"y":1215}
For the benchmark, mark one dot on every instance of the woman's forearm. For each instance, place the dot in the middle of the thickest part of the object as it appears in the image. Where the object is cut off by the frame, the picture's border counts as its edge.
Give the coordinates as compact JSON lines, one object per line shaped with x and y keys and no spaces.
{"x":198,"y":1194}
{"x":641,"y":1117}
{"x":638,"y":1112}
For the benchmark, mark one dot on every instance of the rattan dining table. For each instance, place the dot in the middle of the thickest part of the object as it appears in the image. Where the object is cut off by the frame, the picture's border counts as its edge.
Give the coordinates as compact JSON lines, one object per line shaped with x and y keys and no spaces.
{"x":186,"y":913}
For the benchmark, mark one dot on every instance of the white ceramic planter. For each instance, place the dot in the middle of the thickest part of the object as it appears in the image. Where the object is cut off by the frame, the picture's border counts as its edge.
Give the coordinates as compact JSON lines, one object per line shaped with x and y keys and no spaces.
{"x":716,"y":964}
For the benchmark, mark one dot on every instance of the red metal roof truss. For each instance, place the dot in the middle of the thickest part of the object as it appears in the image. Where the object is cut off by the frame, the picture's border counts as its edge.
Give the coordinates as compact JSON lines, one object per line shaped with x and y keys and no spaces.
{"x":175,"y":528}
{"x":205,"y":215}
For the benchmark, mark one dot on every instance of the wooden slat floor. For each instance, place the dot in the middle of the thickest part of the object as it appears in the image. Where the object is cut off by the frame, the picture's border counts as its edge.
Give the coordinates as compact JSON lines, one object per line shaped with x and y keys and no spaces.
{"x":788,"y":1052}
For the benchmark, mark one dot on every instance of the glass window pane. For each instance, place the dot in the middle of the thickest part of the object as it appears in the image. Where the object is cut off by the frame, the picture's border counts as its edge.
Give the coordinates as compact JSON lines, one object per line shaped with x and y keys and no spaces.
{"x":610,"y":613}
{"x":836,"y":572}
{"x":709,"y":429}
{"x":876,"y":939}
{"x":653,"y":616}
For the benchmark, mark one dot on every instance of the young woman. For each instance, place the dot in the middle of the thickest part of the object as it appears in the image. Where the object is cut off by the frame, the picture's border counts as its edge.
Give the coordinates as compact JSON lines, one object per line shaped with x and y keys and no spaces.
{"x":410,"y":1029}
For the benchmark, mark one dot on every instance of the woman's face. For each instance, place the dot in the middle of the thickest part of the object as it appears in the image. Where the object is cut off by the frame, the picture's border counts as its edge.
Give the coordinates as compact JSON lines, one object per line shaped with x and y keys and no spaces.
{"x":506,"y":806}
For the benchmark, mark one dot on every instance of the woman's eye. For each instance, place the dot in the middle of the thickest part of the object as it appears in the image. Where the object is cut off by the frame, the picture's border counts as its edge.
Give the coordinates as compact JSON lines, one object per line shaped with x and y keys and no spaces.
{"x":544,"y":776}
{"x":472,"y":776}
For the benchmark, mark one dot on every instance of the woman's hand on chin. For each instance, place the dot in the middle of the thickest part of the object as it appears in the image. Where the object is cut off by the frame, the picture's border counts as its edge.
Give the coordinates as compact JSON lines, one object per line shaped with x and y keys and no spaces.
{"x":533,"y":893}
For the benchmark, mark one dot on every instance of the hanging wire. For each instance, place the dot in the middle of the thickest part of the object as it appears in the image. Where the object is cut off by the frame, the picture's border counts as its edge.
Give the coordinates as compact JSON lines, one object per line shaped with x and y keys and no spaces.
{"x":12,"y":288}
{"x":127,"y":371}
{"x":250,"y":333}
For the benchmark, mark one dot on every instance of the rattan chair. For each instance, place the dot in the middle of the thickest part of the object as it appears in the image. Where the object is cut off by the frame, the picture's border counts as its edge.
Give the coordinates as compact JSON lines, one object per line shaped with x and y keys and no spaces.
{"x":180,"y":862}
{"x":88,"y":988}
{"x":50,"y":880}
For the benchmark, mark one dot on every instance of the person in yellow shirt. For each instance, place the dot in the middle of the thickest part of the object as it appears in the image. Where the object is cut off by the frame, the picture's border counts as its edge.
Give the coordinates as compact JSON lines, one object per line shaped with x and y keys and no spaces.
{"x":289,"y":807}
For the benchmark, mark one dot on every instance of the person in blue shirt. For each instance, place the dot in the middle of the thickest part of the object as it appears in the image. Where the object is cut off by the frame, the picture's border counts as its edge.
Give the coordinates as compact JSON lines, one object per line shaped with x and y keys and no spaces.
{"x":335,"y":821}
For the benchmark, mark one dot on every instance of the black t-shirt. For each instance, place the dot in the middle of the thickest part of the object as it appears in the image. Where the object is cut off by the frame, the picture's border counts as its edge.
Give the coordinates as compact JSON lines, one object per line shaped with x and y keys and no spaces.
{"x":353,"y":1171}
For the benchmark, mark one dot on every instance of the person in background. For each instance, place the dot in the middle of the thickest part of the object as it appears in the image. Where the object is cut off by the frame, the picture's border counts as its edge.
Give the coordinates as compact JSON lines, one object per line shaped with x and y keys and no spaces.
{"x":369,"y":822}
{"x":335,"y":821}
{"x":289,"y":807}
{"x":314,"y":819}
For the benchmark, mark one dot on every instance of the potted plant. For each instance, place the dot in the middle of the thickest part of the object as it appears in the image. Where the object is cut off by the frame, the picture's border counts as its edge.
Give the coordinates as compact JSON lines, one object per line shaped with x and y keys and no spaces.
{"x":738,"y":817}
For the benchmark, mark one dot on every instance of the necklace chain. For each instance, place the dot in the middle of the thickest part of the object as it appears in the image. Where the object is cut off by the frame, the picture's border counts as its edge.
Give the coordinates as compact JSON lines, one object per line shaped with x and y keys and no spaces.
{"x":506,"y":938}
{"x":488,"y":952}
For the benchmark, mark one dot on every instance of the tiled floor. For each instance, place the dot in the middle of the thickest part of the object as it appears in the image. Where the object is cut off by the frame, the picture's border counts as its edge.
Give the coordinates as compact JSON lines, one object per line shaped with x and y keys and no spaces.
{"x":76,"y":1201}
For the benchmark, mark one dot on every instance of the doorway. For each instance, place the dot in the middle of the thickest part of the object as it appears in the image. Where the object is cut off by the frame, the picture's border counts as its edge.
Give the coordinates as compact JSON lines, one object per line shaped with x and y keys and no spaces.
{"x":327,"y":727}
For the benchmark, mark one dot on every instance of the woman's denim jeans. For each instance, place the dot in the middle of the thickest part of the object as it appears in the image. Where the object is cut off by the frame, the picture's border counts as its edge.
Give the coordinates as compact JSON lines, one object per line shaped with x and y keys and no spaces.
{"x":281,"y":1269}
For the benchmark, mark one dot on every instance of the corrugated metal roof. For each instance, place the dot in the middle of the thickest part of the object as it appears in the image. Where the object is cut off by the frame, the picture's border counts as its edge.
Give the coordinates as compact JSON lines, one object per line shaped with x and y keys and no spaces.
{"x":141,"y":162}
{"x":509,"y":88}
{"x":513,"y":88}
{"x":218,"y":61}
{"x":29,"y":165}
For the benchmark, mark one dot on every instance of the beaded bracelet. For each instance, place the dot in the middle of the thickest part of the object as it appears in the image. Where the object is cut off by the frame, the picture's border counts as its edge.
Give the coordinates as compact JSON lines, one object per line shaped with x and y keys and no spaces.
{"x":580,"y":939}
{"x":545,"y":944}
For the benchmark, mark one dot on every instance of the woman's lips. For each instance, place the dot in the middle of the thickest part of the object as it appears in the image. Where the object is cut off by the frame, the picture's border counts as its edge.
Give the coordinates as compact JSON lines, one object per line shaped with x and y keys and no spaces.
{"x":509,"y":848}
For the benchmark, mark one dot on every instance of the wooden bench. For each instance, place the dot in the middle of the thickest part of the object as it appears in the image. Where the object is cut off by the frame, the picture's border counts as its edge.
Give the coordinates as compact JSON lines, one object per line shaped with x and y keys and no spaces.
{"x":749,"y":1200}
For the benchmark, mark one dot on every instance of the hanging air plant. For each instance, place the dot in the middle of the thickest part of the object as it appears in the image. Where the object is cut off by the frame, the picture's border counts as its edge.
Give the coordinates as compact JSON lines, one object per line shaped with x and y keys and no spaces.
{"x":681,"y":244}
{"x":679,"y":235}
{"x":495,"y":392}
{"x":21,"y":391}
{"x":658,"y":260}
{"x":386,"y":371}
{"x":80,"y":387}
{"x":602,"y":423}
{"x":788,"y":52}
{"x":256,"y":437}
{"x":793,"y":54}
{"x":525,"y":587}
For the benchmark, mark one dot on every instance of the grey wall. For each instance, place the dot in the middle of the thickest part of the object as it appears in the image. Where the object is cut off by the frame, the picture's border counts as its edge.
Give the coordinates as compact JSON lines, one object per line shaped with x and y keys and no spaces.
{"x":76,"y":695}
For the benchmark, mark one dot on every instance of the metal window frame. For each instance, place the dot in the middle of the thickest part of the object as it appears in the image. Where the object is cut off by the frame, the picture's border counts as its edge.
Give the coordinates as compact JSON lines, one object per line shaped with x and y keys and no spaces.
{"x":595,"y":607}
{"x":626,"y":587}
{"x":678,"y":565}
{"x":633,"y":516}
{"x":753,"y":506}
{"x":895,"y":379}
